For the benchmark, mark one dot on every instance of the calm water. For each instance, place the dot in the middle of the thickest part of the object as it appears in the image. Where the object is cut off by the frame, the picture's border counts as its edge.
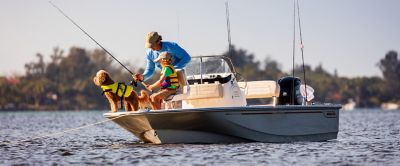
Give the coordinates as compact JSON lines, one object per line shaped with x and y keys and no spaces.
{"x":366,"y":137}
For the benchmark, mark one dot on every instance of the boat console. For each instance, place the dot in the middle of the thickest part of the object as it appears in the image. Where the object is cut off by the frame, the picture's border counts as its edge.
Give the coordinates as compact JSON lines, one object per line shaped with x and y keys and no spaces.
{"x":211,"y":82}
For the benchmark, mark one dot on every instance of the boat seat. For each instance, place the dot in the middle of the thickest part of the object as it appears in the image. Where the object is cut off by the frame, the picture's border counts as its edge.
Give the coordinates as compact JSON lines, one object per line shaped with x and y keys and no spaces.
{"x":203,"y":91}
{"x":260,"y":89}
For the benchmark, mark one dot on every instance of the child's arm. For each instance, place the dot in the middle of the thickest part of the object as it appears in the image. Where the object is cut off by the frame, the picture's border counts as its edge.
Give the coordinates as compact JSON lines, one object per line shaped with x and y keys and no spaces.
{"x":157,"y":83}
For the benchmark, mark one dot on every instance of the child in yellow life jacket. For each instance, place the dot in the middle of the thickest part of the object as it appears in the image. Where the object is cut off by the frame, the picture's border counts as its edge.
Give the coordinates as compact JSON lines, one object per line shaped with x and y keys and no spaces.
{"x":168,"y":81}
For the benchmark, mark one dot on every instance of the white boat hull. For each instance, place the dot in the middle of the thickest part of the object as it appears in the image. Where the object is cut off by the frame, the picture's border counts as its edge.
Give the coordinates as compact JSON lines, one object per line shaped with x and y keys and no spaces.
{"x":233,"y":124}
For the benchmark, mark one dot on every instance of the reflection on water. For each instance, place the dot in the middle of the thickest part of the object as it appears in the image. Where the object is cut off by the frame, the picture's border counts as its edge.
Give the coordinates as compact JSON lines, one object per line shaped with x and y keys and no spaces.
{"x":366,"y":137}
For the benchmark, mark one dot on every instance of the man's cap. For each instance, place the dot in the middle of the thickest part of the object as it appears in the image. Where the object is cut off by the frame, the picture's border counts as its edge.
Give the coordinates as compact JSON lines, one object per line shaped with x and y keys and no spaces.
{"x":151,"y":39}
{"x":163,"y":55}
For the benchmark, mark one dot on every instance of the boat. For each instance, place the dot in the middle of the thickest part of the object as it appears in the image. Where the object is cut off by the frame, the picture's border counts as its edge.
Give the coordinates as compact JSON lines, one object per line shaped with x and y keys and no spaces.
{"x":211,"y":107}
{"x":389,"y":106}
{"x":350,"y":105}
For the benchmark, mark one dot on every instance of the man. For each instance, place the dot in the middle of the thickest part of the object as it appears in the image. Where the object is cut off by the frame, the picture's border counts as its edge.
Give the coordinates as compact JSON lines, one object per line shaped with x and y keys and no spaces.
{"x":154,"y":47}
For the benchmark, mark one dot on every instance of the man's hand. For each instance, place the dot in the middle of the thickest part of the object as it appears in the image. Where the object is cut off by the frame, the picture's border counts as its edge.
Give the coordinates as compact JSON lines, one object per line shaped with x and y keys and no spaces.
{"x":138,"y":77}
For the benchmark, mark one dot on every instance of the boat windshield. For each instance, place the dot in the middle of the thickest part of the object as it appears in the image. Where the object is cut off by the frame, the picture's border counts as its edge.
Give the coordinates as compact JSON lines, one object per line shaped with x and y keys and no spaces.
{"x":207,"y":65}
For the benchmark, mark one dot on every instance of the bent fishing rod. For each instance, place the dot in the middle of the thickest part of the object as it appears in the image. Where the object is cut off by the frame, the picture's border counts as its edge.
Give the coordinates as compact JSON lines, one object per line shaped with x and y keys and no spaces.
{"x":133,"y":81}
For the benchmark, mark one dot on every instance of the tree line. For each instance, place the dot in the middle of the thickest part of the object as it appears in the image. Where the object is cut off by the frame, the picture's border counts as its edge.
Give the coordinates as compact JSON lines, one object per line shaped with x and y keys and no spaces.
{"x":330,"y":88}
{"x":65,"y":82}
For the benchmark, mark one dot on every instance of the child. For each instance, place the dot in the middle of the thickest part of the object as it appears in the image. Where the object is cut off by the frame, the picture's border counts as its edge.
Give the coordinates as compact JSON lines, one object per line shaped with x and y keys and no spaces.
{"x":168,"y":81}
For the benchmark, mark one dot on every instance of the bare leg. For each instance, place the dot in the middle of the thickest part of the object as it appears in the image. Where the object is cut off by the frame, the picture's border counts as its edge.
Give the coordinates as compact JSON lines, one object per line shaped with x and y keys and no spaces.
{"x":158,"y":102}
{"x":157,"y":98}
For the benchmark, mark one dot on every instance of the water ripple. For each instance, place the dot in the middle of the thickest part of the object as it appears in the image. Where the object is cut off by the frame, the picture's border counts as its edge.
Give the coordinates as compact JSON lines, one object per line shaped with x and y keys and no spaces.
{"x":366,"y":137}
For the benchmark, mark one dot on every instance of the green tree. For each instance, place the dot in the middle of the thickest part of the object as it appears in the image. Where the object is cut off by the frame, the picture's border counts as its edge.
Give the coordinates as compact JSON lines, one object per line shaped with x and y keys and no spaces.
{"x":244,"y":63}
{"x":65,"y":82}
{"x":272,"y":69}
{"x":390,"y":67}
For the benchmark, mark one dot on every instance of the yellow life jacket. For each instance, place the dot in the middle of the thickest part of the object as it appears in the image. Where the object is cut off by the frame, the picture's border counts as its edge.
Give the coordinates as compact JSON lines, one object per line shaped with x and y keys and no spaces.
{"x":121,"y":88}
{"x":172,"y":81}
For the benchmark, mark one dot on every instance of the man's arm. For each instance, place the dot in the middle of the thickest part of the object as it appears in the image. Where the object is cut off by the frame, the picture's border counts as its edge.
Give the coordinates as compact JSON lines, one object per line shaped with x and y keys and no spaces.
{"x":182,"y":55}
{"x":149,"y":71}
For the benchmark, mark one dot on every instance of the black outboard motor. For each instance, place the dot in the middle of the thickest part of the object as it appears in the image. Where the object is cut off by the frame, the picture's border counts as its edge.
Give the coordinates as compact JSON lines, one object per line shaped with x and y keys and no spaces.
{"x":286,"y":91}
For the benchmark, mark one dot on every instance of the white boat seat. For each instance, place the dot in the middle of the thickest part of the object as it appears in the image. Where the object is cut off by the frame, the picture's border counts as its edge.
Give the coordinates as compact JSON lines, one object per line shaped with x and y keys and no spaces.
{"x":202,"y":91}
{"x":260,"y":89}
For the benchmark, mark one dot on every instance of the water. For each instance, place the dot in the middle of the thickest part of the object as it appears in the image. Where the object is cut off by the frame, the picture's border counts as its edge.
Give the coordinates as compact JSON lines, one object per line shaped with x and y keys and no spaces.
{"x":366,"y":137}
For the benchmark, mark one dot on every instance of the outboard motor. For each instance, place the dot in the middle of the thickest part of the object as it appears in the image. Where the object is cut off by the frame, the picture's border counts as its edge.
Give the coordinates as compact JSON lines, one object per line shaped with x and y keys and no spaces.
{"x":286,"y":91}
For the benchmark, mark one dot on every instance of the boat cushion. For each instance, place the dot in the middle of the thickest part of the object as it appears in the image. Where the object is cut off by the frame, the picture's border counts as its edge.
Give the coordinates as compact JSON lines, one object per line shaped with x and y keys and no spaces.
{"x":260,"y":89}
{"x":200,"y":91}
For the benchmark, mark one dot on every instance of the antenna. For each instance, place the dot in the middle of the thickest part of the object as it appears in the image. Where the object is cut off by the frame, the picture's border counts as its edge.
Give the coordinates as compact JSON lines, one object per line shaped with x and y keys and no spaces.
{"x":228,"y":26}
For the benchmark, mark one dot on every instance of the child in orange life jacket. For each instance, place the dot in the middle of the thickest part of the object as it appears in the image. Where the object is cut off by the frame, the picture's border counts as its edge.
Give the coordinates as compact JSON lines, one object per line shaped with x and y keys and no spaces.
{"x":168,"y":81}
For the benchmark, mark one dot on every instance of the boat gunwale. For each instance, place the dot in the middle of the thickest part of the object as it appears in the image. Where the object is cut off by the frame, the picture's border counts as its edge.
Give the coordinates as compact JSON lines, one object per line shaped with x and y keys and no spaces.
{"x":255,"y":109}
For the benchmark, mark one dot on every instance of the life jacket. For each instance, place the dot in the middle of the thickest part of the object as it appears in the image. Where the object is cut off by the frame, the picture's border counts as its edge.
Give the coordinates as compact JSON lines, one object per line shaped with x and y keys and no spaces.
{"x":118,"y":88}
{"x":172,"y":81}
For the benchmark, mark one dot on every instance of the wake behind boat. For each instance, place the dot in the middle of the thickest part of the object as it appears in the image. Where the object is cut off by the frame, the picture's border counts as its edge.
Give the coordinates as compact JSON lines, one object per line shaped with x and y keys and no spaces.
{"x":211,"y":107}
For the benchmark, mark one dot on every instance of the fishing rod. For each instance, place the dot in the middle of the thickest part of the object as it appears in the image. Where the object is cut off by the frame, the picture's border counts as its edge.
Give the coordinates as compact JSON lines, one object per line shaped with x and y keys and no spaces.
{"x":302,"y":50}
{"x":296,"y":4}
{"x":133,"y":81}
{"x":294,"y":50}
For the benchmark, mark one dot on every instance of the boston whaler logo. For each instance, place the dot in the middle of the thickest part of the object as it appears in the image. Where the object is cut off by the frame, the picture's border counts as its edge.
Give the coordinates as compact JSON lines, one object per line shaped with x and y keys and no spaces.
{"x":235,"y":90}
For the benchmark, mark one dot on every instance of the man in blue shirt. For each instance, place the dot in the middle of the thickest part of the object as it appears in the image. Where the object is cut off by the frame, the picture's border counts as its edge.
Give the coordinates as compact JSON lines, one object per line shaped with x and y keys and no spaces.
{"x":154,"y":46}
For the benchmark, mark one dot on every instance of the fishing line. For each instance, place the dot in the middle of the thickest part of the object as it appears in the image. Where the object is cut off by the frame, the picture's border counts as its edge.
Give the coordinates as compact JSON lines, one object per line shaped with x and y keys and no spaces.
{"x":64,"y":131}
{"x":134,"y":82}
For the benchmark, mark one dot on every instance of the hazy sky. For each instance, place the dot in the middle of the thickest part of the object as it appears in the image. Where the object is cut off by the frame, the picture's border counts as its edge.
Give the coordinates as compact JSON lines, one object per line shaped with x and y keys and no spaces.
{"x":348,"y":35}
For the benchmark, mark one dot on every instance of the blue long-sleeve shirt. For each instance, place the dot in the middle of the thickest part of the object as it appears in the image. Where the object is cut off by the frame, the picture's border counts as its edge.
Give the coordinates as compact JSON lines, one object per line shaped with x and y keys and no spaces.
{"x":179,"y":58}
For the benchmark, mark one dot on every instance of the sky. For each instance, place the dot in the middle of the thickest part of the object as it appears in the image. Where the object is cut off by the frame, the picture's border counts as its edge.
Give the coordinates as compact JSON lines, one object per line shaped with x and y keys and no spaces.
{"x":349,"y":36}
